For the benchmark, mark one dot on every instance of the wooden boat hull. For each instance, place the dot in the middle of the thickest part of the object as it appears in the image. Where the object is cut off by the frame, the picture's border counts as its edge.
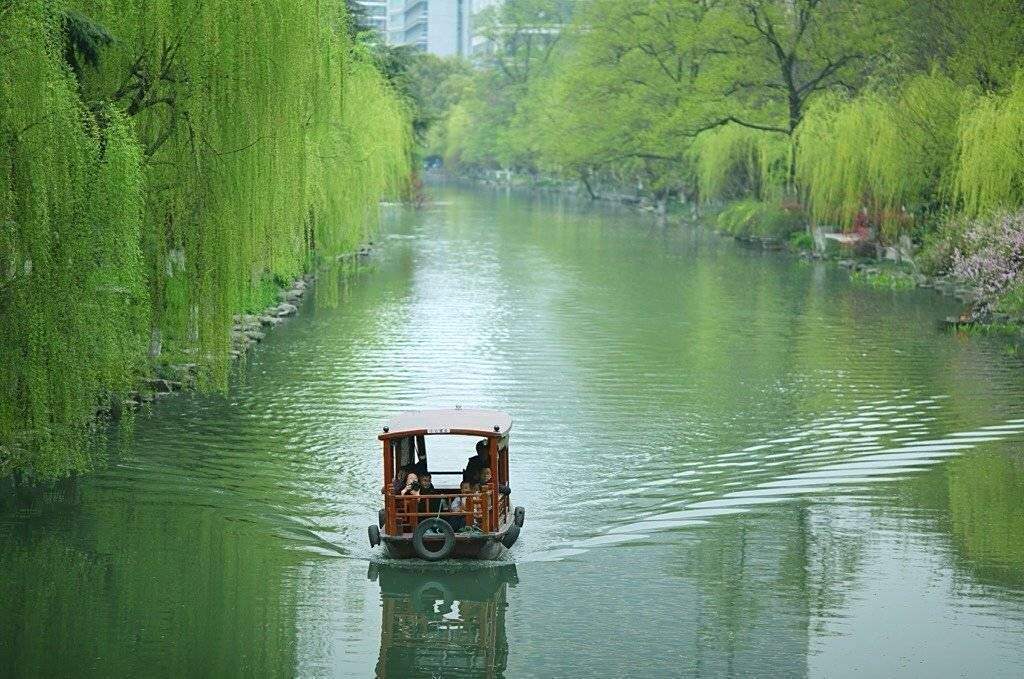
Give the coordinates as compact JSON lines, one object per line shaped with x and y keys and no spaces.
{"x":481,"y":546}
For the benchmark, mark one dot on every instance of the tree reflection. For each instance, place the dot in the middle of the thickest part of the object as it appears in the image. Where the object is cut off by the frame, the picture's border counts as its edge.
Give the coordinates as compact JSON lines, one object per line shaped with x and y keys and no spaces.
{"x":986,"y":503}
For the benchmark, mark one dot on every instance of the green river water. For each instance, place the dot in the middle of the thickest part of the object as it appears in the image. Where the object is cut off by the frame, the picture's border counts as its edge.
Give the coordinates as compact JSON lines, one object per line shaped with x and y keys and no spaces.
{"x":734,"y":464}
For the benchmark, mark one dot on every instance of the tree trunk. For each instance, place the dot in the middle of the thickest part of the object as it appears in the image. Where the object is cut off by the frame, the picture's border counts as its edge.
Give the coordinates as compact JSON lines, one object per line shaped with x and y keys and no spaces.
{"x":585,"y":178}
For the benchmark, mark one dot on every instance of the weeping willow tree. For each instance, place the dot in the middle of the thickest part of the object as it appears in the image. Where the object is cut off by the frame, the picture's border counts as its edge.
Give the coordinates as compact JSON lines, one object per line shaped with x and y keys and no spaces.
{"x":735,"y":161}
{"x":165,"y":163}
{"x":887,"y":153}
{"x":990,"y":153}
{"x":73,"y":300}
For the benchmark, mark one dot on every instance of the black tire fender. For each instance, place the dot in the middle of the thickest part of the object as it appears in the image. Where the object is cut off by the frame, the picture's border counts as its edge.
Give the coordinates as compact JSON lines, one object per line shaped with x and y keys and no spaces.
{"x":446,"y":531}
{"x":510,"y":536}
{"x":520,"y":516}
{"x":374,"y":534}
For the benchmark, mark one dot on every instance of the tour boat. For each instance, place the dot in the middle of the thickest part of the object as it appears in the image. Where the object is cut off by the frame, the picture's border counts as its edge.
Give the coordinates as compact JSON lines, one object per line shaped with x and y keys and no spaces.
{"x":424,"y":526}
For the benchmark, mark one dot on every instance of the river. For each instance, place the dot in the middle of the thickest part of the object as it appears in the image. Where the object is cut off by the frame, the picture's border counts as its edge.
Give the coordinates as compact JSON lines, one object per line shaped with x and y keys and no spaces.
{"x":734,"y":464}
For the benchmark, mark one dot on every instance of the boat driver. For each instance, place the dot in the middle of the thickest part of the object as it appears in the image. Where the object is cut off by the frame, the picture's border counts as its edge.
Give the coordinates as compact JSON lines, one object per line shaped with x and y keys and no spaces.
{"x":477,"y":463}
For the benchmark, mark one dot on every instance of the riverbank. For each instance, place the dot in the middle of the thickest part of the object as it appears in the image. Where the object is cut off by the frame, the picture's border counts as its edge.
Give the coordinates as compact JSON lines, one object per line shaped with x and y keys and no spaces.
{"x":247,"y":330}
{"x":165,"y":376}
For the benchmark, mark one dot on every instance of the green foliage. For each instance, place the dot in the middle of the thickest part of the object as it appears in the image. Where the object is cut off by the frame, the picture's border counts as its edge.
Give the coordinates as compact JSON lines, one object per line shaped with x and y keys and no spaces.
{"x":733,"y":161}
{"x":73,"y":302}
{"x":208,"y":149}
{"x":978,"y":45}
{"x":1012,"y":301}
{"x":631,"y":86}
{"x":869,"y":110}
{"x":754,"y":219}
{"x":940,"y":245}
{"x":801,"y":240}
{"x":990,"y":152}
{"x":884,"y":280}
{"x":485,"y":127}
{"x":883,"y":152}
{"x":433,"y":85}
{"x":83,"y":38}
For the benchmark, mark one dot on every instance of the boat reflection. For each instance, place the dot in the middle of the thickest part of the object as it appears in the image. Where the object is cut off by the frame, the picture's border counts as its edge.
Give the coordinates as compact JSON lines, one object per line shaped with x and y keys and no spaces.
{"x":443,"y":623}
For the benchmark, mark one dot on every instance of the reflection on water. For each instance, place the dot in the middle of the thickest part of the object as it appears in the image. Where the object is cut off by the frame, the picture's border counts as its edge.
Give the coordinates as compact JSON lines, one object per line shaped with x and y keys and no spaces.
{"x":124,"y":589}
{"x":733,"y":464}
{"x":443,"y":623}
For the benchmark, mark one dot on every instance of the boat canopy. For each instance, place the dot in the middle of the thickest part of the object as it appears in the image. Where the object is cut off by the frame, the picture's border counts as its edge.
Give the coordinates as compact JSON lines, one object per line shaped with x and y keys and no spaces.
{"x":469,"y":421}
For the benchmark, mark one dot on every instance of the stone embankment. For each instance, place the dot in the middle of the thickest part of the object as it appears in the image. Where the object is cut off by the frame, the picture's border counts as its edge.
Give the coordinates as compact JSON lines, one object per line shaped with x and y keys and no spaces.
{"x":250,"y":329}
{"x":247,"y":331}
{"x":975,"y":313}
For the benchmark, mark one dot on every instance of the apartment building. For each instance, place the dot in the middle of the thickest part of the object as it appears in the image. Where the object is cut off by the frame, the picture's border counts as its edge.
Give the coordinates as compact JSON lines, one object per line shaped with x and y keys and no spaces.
{"x":375,"y":15}
{"x":440,"y":27}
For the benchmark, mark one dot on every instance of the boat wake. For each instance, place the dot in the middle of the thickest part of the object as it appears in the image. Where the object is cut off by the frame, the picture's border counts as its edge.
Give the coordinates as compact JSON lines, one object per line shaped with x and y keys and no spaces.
{"x":841,"y":452}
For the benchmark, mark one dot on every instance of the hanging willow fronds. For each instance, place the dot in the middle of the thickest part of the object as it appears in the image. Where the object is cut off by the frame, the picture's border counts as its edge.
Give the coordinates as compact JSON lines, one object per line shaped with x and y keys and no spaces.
{"x":160,"y":174}
{"x":735,"y":161}
{"x":885,"y":152}
{"x":990,"y":153}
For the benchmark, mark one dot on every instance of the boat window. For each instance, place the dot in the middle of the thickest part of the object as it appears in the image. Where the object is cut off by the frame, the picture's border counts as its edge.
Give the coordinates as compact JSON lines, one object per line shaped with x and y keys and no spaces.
{"x":448,"y":457}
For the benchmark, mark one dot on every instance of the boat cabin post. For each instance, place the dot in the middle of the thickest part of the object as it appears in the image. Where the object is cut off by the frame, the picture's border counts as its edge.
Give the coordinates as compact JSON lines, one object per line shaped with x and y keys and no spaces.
{"x":390,"y":523}
{"x":492,"y":454}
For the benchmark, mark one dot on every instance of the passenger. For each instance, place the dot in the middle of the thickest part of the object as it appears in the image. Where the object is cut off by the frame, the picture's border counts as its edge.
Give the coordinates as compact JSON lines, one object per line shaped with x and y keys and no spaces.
{"x":412,"y":484}
{"x":411,"y":506}
{"x":460,"y":504}
{"x":479,"y":461}
{"x":427,"y":488}
{"x":401,"y":479}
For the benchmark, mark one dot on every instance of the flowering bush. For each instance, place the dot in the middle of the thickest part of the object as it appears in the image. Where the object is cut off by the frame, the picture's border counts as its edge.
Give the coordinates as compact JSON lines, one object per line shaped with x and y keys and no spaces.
{"x":992,"y":256}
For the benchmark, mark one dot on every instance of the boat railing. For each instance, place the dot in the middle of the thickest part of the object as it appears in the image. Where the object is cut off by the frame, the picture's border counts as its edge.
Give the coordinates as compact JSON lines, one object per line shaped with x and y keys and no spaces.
{"x":407,"y":510}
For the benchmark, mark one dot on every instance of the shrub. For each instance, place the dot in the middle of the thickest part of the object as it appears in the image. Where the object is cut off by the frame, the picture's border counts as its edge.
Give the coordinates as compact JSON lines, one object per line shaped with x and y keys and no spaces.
{"x":993,"y":256}
{"x":801,"y":240}
{"x":750,"y":218}
{"x":1012,"y":301}
{"x":884,"y":280}
{"x":940,"y":244}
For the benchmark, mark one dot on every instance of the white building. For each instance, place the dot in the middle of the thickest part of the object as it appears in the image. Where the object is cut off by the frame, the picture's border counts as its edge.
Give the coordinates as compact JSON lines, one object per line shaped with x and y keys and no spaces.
{"x":440,"y":27}
{"x":375,"y":15}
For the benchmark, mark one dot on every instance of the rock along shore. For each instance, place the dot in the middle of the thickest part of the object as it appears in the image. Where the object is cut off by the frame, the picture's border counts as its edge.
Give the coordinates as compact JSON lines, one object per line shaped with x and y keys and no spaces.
{"x":247,"y":330}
